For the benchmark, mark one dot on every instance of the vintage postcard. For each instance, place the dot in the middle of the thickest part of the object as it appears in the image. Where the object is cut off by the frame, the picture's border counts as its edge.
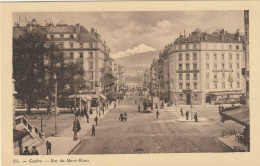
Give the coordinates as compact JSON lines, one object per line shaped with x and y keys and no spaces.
{"x":146,"y":83}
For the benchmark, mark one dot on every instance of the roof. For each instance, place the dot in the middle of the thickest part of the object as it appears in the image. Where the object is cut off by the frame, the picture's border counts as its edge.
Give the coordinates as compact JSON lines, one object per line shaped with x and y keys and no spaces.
{"x":19,"y":134}
{"x":199,"y":36}
{"x":87,"y":37}
{"x":62,"y":29}
{"x":240,"y":115}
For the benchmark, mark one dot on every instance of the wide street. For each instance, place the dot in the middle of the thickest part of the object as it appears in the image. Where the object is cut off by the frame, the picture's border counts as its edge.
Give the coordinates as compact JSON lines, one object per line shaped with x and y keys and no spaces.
{"x":142,"y":133}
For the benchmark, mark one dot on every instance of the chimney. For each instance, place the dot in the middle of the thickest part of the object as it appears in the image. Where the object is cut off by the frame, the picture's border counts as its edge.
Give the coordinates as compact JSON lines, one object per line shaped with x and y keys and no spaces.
{"x":205,"y":36}
{"x":92,"y":31}
{"x":77,"y":28}
{"x":237,"y":35}
{"x":222,"y":34}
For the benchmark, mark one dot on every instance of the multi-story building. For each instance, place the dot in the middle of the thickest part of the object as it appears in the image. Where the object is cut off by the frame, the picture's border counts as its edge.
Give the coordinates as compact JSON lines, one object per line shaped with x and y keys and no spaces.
{"x":77,"y":43}
{"x":206,"y":67}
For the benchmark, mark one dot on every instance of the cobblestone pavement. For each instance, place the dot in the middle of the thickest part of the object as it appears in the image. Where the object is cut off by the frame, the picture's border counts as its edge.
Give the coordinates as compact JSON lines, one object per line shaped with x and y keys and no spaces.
{"x":142,"y":133}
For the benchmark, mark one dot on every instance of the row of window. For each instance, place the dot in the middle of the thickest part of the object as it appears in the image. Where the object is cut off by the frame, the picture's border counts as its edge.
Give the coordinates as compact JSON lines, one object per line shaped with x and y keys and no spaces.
{"x":215,"y":57}
{"x":230,"y":66}
{"x":215,"y":47}
{"x":222,"y":47}
{"x":61,"y":45}
{"x":81,"y":55}
{"x":187,"y":57}
{"x":223,"y":85}
{"x":71,"y":36}
{"x":195,"y":86}
{"x":195,"y":66}
{"x":223,"y":76}
{"x":195,"y":76}
{"x":195,"y":97}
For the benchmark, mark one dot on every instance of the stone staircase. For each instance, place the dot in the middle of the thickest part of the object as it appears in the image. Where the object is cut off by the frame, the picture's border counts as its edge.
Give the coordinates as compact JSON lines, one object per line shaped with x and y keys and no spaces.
{"x":35,"y":138}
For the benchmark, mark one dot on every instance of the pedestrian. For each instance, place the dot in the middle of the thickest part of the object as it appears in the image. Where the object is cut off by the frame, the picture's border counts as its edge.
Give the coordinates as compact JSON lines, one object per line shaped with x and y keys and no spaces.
{"x":115,"y":105}
{"x":93,"y":131}
{"x":139,"y":108}
{"x":78,"y":126}
{"x":91,"y":111}
{"x":34,"y":151}
{"x":26,"y":151}
{"x":96,"y":120}
{"x":107,"y":105}
{"x":156,"y":106}
{"x":103,"y":110}
{"x":125,"y":116}
{"x":196,"y":117}
{"x":187,"y":115}
{"x":121,"y":117}
{"x":87,"y":116}
{"x":77,"y":113}
{"x":157,"y":114}
{"x":181,"y":112}
{"x":48,"y":147}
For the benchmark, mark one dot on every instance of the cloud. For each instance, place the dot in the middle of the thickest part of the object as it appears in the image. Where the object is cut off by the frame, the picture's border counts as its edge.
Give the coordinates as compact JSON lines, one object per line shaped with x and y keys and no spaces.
{"x":138,"y":49}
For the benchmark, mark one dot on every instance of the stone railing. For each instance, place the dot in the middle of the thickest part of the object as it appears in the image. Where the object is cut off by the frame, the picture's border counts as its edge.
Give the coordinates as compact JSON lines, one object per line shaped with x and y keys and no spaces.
{"x":23,"y":123}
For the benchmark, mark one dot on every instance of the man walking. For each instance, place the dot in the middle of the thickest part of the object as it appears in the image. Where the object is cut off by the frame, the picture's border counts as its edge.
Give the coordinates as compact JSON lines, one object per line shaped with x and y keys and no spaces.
{"x":48,"y":147}
{"x":187,"y":115}
{"x":87,"y":117}
{"x":139,"y":108}
{"x":96,"y":120}
{"x":157,"y":114}
{"x":93,"y":131}
{"x":196,"y":117}
{"x":181,"y":112}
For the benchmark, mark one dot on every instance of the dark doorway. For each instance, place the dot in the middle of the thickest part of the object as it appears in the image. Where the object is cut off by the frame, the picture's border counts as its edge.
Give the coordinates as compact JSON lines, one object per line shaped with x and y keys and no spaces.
{"x":188,"y":99}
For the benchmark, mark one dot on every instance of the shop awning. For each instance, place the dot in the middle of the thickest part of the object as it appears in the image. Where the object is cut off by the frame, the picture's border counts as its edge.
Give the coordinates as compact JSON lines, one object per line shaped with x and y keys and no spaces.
{"x":94,"y":96}
{"x":84,"y":97}
{"x":19,"y":134}
{"x":103,"y":97}
{"x":240,"y":115}
{"x":226,"y":93}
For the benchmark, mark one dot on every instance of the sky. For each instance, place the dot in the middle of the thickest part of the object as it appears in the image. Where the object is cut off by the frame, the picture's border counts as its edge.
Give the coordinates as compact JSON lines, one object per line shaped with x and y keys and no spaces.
{"x":134,"y":32}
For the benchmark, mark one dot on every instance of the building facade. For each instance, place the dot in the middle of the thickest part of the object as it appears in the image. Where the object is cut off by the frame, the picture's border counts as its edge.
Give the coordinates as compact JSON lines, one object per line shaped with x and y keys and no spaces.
{"x":206,"y":68}
{"x":77,"y":43}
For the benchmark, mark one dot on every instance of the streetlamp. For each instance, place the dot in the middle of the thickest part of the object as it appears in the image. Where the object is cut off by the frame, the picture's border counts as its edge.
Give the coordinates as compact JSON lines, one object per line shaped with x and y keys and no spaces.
{"x":56,"y":91}
{"x":191,"y":97}
{"x":80,"y":92}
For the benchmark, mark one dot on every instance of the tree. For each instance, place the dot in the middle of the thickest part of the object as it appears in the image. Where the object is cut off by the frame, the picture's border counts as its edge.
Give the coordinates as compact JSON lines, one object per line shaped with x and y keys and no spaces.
{"x":37,"y":68}
{"x":28,"y":51}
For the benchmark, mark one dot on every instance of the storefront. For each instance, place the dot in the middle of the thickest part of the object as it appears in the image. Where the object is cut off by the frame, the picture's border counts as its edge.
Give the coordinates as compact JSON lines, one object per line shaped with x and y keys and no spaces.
{"x":241,"y":116}
{"x":228,"y":97}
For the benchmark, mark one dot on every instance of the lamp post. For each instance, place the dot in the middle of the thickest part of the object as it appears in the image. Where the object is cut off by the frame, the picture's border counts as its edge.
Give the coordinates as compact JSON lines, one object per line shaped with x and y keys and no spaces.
{"x":176,"y":100}
{"x":80,"y":92}
{"x":191,"y":97}
{"x":47,"y":98}
{"x":56,"y":91}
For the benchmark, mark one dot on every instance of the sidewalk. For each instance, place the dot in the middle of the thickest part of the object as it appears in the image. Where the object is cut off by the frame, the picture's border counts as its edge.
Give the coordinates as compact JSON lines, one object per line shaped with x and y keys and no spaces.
{"x":63,"y":143}
{"x":232,"y":143}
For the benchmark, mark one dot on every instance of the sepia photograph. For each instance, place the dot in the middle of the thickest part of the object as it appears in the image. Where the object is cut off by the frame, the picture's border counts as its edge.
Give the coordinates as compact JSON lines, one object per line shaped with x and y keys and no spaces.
{"x":130,"y":82}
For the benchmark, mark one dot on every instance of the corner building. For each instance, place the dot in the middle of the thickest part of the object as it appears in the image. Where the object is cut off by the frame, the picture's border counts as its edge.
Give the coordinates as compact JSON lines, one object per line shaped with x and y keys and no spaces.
{"x":206,"y":68}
